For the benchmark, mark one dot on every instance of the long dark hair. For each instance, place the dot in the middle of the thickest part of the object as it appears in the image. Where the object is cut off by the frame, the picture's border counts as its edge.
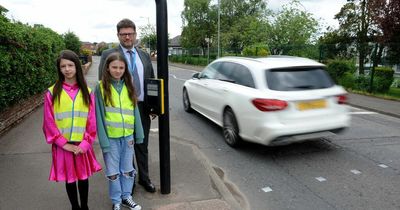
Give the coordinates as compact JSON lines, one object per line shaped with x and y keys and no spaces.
{"x":106,"y":79}
{"x":71,"y":56}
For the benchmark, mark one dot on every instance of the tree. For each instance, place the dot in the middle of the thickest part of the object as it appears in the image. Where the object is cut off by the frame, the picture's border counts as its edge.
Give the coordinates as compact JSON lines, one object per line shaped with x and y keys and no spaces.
{"x":333,"y":44}
{"x":72,"y":42}
{"x":3,"y":12}
{"x":356,"y":20}
{"x":199,"y":22}
{"x":291,"y":27}
{"x":149,"y":36}
{"x":390,"y":25}
{"x":243,"y":23}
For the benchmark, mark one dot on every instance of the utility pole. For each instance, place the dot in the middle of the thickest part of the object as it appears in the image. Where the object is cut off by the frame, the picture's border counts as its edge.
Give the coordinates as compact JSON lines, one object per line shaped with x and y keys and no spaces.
{"x":208,"y":40}
{"x":162,"y":73}
{"x":148,"y":27}
{"x":219,"y":17}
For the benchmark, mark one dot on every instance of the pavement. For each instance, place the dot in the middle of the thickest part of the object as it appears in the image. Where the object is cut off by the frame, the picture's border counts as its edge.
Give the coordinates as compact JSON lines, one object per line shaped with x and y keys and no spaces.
{"x":195,"y":182}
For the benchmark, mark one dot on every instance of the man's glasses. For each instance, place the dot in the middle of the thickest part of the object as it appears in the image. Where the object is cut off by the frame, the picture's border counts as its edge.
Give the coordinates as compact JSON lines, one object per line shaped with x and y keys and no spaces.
{"x":127,"y":34}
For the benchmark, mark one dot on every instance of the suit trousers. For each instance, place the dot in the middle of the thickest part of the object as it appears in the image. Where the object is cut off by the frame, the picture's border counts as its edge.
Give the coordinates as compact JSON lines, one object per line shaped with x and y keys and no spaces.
{"x":141,"y":150}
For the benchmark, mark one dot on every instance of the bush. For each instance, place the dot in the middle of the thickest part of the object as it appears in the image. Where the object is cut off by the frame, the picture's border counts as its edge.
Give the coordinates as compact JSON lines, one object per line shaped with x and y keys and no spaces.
{"x":27,"y":57}
{"x":337,"y":68}
{"x":383,"y":79}
{"x":256,"y":50}
{"x":198,"y":61}
{"x":361,"y":82}
{"x":347,"y":80}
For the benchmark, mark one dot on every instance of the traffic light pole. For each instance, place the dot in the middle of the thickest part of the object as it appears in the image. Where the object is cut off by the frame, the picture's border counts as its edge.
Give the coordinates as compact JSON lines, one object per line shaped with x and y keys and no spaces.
{"x":162,"y":73}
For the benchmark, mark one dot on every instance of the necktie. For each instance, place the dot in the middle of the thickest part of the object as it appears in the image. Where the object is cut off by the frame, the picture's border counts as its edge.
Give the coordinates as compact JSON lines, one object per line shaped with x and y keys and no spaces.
{"x":134,"y":72}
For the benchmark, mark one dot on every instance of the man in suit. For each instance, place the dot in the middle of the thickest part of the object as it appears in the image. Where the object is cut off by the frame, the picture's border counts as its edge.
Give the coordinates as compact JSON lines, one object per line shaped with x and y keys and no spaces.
{"x":141,"y":68}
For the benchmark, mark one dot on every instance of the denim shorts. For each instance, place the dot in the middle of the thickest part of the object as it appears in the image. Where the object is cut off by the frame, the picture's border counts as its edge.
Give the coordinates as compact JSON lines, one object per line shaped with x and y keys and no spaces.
{"x":119,"y":159}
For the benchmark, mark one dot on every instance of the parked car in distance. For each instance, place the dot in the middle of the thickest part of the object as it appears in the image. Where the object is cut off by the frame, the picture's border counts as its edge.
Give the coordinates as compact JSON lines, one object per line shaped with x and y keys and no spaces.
{"x":274,"y":100}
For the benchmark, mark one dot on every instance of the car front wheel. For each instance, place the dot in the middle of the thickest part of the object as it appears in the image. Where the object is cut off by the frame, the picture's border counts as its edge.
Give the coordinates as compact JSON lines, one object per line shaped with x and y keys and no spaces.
{"x":231,"y":129}
{"x":186,"y":101}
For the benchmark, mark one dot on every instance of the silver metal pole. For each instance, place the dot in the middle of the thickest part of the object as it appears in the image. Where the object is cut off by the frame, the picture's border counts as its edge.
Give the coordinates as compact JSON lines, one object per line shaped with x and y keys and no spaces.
{"x":219,"y":14}
{"x":208,"y":51}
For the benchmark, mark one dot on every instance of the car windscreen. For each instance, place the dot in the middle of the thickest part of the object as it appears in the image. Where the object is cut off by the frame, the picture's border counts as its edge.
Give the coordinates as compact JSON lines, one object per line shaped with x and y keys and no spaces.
{"x":300,"y":78}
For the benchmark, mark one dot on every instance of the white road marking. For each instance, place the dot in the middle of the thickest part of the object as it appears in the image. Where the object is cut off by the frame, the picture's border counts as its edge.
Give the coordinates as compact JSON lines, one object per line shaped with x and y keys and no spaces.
{"x":356,"y":110}
{"x":267,"y":189}
{"x":383,"y":166}
{"x":363,"y":113}
{"x":354,"y":171}
{"x":154,"y":130}
{"x":177,"y":77}
{"x":321,"y":179}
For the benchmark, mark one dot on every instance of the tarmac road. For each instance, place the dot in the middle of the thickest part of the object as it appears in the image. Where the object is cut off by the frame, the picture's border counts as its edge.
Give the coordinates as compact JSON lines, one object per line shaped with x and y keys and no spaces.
{"x":342,"y":172}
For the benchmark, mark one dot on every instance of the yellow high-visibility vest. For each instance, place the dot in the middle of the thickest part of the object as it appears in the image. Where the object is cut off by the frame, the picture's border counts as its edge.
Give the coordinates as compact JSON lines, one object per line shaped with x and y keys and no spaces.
{"x":71,"y":115}
{"x":120,"y":119}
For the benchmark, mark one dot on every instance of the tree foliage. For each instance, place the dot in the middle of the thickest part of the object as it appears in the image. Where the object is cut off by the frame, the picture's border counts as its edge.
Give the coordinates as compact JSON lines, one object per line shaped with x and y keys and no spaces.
{"x":72,"y":42}
{"x":389,"y":22}
{"x":358,"y":21}
{"x":27,"y":57}
{"x":199,"y":22}
{"x":336,"y":45}
{"x":291,"y":27}
{"x":149,"y":36}
{"x":245,"y":23}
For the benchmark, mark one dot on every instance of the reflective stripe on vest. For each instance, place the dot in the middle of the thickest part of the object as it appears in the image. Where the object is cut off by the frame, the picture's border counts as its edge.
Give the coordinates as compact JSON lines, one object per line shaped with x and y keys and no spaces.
{"x":119,"y":120}
{"x":70,"y":115}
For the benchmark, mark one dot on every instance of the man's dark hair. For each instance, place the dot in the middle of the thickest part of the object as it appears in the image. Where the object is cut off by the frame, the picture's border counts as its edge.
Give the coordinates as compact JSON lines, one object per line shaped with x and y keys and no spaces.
{"x":126,"y":23}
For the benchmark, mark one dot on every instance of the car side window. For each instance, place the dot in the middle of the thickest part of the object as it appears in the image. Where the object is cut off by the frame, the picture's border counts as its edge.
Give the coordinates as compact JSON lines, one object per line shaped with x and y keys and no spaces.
{"x":209,"y":72}
{"x":224,"y":70}
{"x":242,"y":75}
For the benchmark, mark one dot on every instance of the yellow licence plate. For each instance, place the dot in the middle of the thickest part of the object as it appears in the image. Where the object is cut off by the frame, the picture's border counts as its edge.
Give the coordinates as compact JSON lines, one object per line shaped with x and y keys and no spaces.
{"x":316,"y":104}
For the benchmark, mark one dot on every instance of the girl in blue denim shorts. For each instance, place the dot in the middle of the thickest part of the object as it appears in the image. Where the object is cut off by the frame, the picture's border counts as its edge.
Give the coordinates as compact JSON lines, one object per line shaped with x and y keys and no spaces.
{"x":118,"y":127}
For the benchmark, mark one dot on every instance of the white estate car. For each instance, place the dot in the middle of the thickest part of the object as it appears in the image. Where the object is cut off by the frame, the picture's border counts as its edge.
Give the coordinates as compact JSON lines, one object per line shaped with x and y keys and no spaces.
{"x":274,"y":100}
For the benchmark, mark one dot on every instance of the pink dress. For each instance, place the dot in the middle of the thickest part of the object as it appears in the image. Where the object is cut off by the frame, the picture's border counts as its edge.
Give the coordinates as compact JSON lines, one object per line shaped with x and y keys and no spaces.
{"x":65,"y":165}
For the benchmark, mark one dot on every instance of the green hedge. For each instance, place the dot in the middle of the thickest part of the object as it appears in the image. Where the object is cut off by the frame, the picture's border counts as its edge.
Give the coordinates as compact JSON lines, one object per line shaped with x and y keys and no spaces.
{"x":355,"y":82}
{"x":192,"y":60}
{"x":27,"y":57}
{"x":338,"y":68}
{"x":256,"y":50}
{"x":383,"y":79}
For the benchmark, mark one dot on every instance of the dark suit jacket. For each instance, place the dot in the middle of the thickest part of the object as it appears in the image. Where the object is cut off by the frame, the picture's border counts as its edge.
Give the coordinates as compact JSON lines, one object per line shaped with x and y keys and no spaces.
{"x":148,"y":70}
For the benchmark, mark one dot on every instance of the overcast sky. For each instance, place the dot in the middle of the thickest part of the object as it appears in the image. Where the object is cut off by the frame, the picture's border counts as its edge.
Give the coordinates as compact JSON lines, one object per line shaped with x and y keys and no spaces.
{"x":95,"y":20}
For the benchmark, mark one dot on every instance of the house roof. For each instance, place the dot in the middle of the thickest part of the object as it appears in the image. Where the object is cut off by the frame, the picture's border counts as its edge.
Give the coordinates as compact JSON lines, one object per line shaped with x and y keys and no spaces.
{"x":175,"y":42}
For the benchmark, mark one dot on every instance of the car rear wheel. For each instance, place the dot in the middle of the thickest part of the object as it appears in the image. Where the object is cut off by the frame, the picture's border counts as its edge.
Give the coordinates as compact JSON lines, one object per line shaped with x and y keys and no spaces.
{"x":186,"y":101}
{"x":230,"y":129}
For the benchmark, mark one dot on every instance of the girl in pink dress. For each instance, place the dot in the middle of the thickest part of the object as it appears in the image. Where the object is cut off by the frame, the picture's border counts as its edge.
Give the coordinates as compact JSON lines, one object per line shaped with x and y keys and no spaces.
{"x":70,"y":127}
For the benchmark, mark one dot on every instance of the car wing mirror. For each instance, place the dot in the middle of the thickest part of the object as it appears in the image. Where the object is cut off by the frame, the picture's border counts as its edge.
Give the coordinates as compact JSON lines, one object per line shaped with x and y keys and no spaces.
{"x":196,"y":75}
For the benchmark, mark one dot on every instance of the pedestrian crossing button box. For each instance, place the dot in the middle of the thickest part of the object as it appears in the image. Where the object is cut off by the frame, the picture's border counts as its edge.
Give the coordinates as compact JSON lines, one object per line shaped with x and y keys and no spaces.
{"x":154,"y":89}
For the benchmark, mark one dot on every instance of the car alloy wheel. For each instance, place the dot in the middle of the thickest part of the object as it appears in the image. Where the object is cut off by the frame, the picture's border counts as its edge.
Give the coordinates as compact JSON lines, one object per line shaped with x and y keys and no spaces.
{"x":186,"y":101}
{"x":230,"y":129}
